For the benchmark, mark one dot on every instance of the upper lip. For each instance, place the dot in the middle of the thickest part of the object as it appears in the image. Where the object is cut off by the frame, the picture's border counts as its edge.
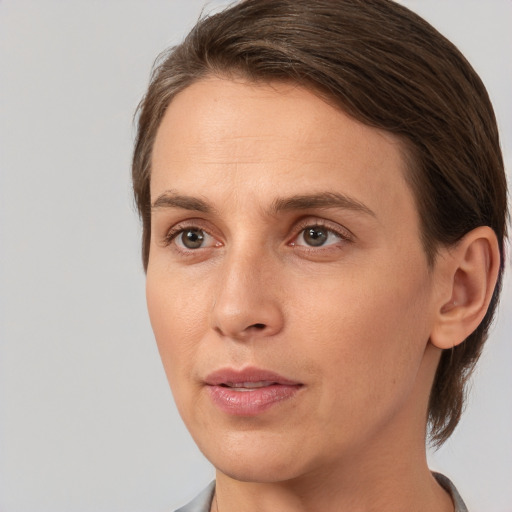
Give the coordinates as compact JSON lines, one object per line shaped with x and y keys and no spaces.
{"x":230,"y":376}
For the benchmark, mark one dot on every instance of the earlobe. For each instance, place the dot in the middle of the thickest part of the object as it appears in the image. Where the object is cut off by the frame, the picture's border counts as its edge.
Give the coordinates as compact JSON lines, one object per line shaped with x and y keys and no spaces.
{"x":471,"y":270}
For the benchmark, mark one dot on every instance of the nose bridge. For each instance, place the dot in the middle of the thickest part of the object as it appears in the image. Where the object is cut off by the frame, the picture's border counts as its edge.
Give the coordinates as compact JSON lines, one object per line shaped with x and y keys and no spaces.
{"x":246,"y":302}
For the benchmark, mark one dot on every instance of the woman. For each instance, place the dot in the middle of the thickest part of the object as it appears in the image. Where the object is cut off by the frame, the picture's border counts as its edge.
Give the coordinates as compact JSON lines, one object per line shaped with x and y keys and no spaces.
{"x":323,"y":203}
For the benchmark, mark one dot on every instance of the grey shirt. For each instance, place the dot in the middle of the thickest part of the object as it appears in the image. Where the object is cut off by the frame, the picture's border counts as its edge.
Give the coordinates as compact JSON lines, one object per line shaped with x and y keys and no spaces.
{"x":203,"y":501}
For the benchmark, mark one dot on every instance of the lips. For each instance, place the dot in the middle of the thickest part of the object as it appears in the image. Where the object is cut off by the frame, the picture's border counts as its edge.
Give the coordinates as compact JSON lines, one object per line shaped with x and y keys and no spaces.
{"x":250,"y":391}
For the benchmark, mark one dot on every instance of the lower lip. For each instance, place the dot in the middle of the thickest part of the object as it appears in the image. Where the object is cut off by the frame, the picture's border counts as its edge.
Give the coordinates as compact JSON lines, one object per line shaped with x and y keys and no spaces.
{"x":250,"y":402}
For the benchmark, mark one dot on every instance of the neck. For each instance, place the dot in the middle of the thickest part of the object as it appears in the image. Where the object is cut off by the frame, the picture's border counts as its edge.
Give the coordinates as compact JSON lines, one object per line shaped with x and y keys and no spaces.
{"x":370,"y":484}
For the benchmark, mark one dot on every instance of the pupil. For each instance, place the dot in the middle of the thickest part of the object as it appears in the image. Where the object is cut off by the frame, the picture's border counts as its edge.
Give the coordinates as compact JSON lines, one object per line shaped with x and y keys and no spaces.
{"x":193,"y":238}
{"x":315,"y":236}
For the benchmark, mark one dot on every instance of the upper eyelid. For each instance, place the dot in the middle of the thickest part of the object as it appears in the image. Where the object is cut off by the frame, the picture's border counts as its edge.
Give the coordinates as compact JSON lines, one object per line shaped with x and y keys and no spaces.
{"x":190,"y":224}
{"x":174,"y":231}
{"x":327,"y":224}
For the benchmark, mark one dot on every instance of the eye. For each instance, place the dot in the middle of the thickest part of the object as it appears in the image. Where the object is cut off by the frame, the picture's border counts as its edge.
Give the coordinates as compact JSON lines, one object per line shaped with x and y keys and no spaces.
{"x":192,"y":238}
{"x":317,"y":236}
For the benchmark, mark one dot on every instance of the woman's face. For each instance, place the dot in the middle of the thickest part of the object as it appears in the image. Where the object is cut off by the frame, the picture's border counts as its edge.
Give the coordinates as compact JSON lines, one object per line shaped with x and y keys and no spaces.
{"x":287,"y":286}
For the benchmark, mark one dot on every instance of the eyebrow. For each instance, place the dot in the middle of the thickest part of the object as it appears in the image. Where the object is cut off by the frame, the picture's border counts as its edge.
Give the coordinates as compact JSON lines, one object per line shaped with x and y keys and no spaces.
{"x":171,"y":199}
{"x":320,"y":200}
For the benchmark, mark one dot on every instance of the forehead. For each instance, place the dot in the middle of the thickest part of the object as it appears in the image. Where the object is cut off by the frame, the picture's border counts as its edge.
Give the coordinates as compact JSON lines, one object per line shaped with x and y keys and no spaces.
{"x":219,"y":134}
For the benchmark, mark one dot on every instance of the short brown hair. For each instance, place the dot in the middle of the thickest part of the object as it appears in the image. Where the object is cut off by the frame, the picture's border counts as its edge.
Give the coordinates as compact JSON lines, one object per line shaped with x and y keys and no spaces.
{"x":388,"y":68}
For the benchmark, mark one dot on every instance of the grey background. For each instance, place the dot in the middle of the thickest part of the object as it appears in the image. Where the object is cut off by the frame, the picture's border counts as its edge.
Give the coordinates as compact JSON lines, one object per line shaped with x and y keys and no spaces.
{"x":86,"y":417}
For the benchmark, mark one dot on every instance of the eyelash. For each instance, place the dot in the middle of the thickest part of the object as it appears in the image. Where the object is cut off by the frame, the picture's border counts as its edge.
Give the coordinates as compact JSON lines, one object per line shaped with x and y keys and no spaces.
{"x":342,"y":233}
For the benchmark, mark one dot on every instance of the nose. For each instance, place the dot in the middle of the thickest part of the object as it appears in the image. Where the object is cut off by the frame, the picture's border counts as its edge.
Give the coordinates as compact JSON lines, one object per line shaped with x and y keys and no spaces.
{"x":246,"y":305}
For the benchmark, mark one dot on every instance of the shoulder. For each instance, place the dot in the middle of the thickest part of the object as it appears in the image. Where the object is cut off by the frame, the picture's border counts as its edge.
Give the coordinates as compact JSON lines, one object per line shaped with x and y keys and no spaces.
{"x":447,"y":484}
{"x":202,"y":502}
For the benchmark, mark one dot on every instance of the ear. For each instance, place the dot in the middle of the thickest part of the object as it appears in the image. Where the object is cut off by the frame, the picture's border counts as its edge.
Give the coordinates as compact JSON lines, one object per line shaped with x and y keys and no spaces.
{"x":469,"y":271}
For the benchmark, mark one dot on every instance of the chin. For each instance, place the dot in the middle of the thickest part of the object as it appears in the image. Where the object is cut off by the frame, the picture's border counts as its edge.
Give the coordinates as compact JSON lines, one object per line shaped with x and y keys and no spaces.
{"x":255,"y":457}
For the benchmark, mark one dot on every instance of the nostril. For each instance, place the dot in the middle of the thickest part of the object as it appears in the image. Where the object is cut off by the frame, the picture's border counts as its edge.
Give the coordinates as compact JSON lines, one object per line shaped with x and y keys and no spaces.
{"x":258,"y":326}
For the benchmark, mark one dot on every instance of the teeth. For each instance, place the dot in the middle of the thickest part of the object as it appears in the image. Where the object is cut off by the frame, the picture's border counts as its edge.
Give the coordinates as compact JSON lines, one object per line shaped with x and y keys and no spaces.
{"x":249,"y":385}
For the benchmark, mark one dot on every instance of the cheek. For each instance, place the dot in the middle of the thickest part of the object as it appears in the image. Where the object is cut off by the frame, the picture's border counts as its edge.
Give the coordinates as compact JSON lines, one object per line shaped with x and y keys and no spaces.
{"x":177,"y":318}
{"x":368,"y":334}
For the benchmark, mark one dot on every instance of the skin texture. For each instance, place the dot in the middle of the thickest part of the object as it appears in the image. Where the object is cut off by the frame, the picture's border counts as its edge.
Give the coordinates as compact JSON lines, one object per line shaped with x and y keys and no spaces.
{"x":350,"y":320}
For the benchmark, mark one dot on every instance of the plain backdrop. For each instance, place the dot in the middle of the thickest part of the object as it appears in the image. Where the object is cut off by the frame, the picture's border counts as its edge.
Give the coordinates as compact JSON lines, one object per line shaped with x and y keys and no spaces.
{"x":87,"y":421}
